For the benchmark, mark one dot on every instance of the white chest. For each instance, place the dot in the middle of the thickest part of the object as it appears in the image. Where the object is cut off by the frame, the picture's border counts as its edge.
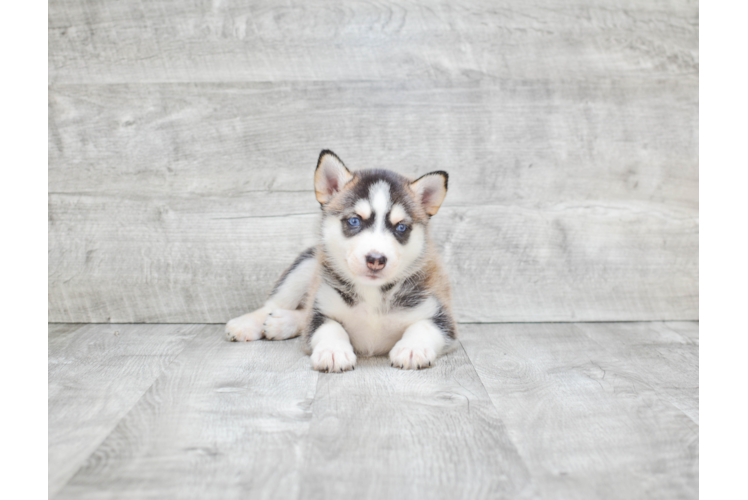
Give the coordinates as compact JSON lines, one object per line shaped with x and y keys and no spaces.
{"x":372,"y":327}
{"x":372,"y":331}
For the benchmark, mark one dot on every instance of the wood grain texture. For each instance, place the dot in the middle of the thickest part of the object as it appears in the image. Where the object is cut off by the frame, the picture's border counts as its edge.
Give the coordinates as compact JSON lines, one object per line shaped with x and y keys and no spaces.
{"x":583,"y":411}
{"x":665,"y":356}
{"x":389,"y":433}
{"x":198,"y":40}
{"x":568,"y":200}
{"x":526,"y":143}
{"x":253,"y":420}
{"x":224,"y":421}
{"x":61,"y":329}
{"x":96,"y":374}
{"x":174,"y":259}
{"x":590,"y":406}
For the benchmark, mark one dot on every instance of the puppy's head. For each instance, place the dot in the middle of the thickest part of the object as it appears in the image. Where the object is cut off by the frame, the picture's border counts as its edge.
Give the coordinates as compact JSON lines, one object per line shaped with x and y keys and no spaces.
{"x":374,"y":222}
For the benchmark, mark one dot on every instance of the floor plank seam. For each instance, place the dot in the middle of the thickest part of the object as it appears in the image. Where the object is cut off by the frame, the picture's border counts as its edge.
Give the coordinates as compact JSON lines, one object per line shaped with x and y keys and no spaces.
{"x":573,"y":409}
{"x":493,"y":405}
{"x":507,"y":433}
{"x":121,"y":419}
{"x":102,"y":441}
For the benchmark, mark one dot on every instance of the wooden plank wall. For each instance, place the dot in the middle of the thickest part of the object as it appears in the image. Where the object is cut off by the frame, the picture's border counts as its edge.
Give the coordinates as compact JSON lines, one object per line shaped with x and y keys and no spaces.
{"x":183,"y":137}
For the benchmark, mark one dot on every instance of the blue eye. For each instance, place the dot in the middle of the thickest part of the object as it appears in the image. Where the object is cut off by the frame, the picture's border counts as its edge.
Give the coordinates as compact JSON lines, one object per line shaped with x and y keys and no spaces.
{"x":401,"y":228}
{"x":354,"y":221}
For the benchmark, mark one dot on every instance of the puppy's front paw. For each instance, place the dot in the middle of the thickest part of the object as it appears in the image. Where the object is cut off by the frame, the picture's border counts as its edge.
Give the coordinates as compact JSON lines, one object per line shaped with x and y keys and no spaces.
{"x":281,"y":324}
{"x":245,"y":328}
{"x":333,"y":360}
{"x":411,"y":357}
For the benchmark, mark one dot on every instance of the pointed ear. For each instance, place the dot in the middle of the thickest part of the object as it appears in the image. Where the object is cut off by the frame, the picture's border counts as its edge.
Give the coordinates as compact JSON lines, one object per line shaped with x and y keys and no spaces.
{"x":431,"y":190}
{"x":330,"y":176}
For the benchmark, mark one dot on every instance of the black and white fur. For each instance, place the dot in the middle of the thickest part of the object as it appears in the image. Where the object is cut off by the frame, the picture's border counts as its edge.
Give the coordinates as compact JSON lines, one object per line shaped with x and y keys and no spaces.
{"x":373,"y":284}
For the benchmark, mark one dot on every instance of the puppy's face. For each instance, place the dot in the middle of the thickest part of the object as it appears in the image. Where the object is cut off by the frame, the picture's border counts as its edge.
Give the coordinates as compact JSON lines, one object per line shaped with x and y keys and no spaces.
{"x":374,"y":224}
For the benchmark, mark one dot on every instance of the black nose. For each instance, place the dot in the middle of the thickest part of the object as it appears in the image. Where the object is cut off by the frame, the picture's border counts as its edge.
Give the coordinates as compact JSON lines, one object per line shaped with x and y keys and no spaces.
{"x":376,"y":261}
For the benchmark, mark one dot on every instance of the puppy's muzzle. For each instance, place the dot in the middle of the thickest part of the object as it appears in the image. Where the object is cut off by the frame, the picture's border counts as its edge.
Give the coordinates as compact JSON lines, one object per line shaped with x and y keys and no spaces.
{"x":376,"y":261}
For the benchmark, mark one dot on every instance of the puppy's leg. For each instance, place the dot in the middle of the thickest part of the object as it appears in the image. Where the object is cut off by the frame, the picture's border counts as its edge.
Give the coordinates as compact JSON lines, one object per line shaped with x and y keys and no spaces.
{"x":331,"y":348}
{"x":247,"y":327}
{"x":285,"y":298}
{"x":422,"y":343}
{"x":281,"y":324}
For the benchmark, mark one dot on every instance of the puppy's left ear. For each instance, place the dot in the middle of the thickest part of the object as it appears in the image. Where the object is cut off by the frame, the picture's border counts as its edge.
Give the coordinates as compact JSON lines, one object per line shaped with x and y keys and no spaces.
{"x":330,"y":176}
{"x":431,"y":189}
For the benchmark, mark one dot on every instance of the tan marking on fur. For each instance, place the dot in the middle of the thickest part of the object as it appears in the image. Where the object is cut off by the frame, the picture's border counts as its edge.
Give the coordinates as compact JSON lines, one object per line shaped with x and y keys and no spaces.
{"x":337,"y":202}
{"x":397,"y":214}
{"x":438,"y":283}
{"x":343,"y":176}
{"x":437,"y":279}
{"x":433,"y":184}
{"x":363,"y":208}
{"x":418,"y":212}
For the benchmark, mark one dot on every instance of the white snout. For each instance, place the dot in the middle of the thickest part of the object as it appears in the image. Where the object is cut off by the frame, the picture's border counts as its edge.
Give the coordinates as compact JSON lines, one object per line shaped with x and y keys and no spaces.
{"x":373,"y":244}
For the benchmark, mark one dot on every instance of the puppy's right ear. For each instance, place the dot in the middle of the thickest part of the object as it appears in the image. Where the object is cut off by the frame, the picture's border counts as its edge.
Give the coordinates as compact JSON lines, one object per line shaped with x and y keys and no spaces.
{"x":330,"y":176}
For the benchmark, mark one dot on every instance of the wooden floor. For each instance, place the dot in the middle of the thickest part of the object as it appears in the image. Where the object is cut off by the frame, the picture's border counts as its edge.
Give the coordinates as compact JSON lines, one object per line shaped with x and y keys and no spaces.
{"x":543,"y":410}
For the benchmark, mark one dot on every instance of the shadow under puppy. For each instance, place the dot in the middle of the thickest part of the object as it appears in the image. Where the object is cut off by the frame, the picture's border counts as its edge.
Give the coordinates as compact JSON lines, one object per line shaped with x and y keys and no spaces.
{"x":374,"y":284}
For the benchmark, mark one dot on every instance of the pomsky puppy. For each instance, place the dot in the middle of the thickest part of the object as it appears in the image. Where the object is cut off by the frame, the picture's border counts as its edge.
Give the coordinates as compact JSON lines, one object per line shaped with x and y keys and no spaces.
{"x":374,"y":284}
